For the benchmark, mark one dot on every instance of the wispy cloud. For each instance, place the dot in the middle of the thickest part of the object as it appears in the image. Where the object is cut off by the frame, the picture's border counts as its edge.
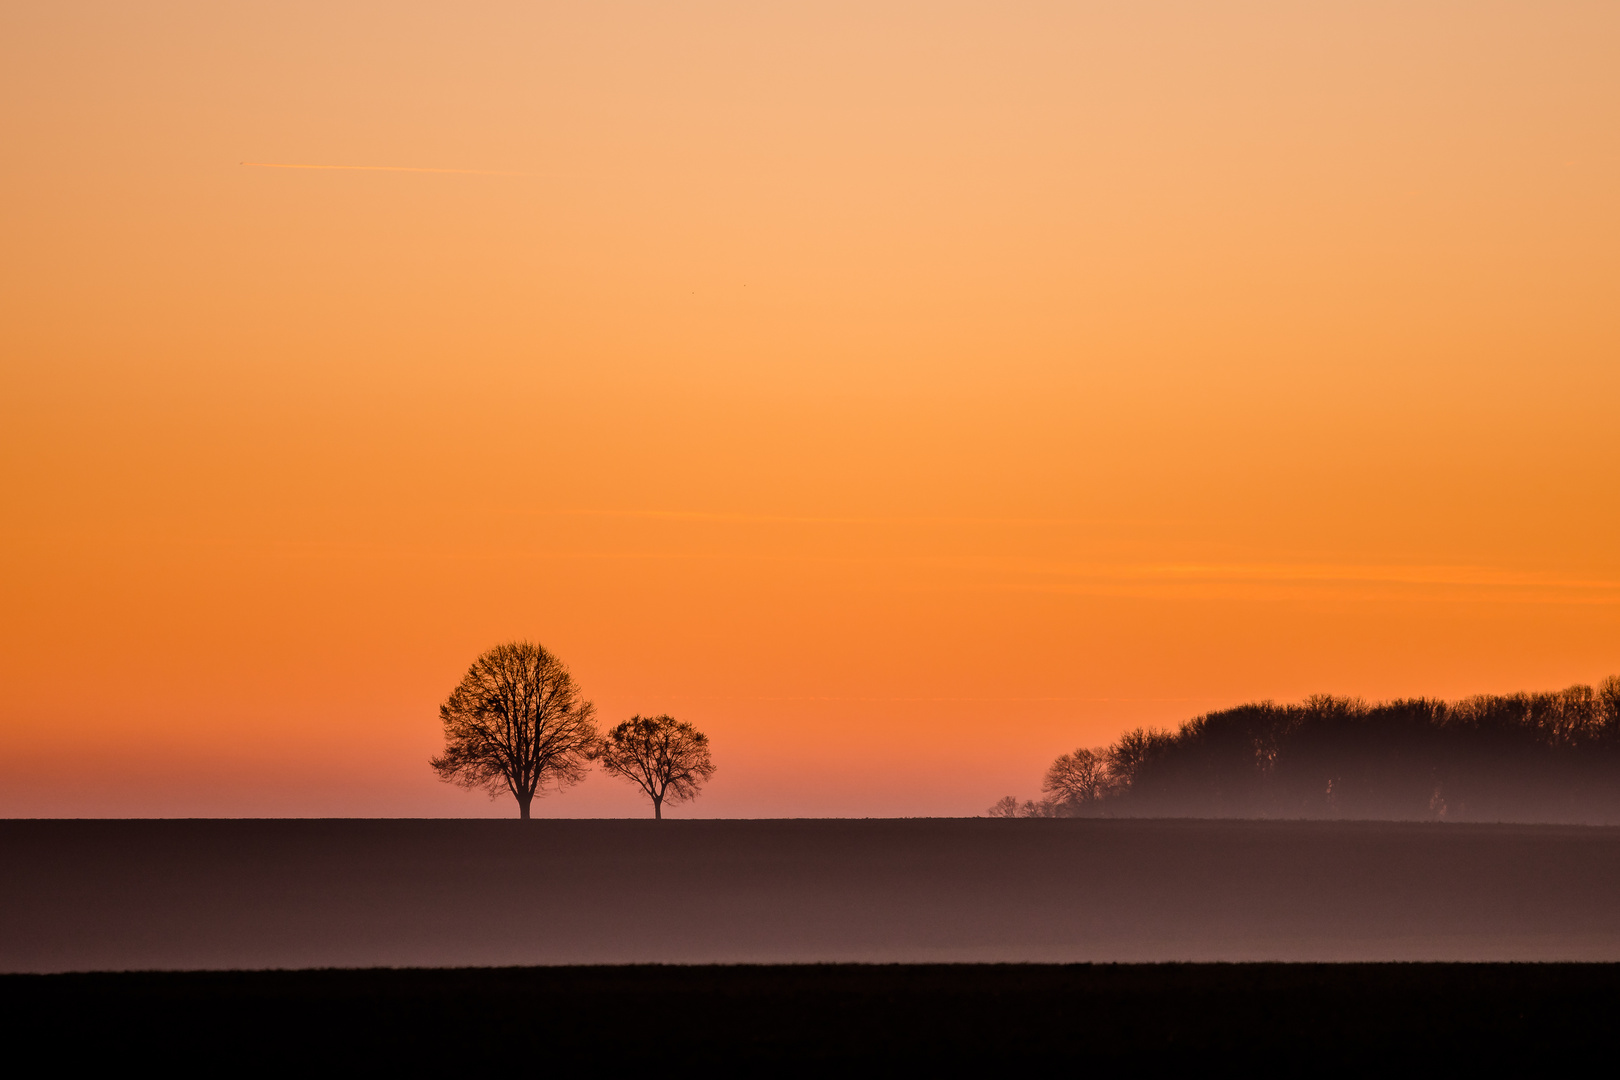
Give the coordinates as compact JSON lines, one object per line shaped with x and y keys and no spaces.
{"x":1261,"y":579}
{"x":1334,"y":573}
{"x":379,"y":168}
{"x":833,"y":519}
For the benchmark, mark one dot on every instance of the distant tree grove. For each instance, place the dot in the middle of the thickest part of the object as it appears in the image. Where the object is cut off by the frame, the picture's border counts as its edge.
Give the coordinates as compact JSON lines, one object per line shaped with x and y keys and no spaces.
{"x":1552,"y":757}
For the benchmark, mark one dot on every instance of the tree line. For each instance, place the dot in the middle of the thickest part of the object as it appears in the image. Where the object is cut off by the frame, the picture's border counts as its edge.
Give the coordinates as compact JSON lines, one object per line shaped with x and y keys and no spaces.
{"x":518,"y":724}
{"x":1552,"y":757}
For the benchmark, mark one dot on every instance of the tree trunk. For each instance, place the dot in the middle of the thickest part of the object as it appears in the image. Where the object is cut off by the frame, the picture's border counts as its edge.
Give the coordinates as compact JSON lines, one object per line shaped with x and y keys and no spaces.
{"x":523,"y":806}
{"x":658,"y":809}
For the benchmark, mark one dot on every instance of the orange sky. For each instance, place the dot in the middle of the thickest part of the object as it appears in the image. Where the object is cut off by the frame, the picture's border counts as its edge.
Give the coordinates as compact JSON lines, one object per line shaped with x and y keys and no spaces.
{"x":904,"y":393}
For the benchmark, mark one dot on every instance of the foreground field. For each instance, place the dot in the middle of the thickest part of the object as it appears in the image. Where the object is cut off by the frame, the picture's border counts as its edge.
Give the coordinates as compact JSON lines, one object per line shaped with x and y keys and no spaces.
{"x":120,"y":895}
{"x":677,"y":1020}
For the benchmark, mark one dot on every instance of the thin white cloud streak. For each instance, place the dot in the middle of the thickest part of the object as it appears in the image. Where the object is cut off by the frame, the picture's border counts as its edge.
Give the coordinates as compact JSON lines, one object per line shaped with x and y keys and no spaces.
{"x":975,"y":574}
{"x":1331,"y":573}
{"x":379,"y":168}
{"x":815,"y":519}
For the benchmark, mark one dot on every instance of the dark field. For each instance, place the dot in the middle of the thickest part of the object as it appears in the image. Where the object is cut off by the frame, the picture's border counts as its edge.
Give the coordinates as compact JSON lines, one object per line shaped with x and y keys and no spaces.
{"x":1264,"y":1018}
{"x":116,"y":895}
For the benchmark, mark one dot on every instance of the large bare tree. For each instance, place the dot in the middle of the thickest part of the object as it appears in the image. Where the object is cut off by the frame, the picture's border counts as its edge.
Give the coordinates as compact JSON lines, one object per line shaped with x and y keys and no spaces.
{"x":1078,"y":781}
{"x":516,"y":723}
{"x":664,"y":757}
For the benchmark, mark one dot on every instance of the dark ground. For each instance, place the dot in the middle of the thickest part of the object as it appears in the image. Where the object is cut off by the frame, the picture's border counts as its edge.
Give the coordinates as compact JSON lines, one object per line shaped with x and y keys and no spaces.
{"x":112,"y":895}
{"x":1261,"y":1018}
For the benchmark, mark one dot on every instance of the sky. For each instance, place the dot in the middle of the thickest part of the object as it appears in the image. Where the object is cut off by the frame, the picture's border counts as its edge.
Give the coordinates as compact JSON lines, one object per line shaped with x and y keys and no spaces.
{"x":903,"y":393}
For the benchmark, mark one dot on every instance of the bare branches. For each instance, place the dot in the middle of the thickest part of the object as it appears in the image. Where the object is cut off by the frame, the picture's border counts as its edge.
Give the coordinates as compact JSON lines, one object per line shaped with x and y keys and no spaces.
{"x":1008,"y":806}
{"x":1074,"y":786}
{"x":1552,"y":756}
{"x":666,"y":758}
{"x":1078,"y":779}
{"x":516,"y":723}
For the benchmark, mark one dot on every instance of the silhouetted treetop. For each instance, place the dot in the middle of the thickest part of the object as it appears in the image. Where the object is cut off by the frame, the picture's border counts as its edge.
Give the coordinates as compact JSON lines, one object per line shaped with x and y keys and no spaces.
{"x":667,"y":758}
{"x":515,"y":723}
{"x":1078,"y":779}
{"x":1527,"y":757}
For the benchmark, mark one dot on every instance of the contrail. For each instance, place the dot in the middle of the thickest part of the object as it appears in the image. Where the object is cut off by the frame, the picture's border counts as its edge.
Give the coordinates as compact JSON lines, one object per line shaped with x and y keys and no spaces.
{"x":380,"y":168}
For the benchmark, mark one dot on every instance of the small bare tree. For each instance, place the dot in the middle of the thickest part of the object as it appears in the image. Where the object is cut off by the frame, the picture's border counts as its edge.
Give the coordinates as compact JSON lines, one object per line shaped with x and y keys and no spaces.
{"x":664,"y":757}
{"x":1004,"y":807}
{"x":1008,"y":806}
{"x":516,"y":723}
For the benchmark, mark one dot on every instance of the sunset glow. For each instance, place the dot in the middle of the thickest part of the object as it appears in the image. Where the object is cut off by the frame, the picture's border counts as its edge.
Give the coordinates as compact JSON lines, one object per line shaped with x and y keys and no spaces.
{"x":904,"y":394}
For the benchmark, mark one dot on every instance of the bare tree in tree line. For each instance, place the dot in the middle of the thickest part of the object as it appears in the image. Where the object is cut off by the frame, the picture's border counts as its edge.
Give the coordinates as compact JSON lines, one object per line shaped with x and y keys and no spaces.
{"x":1078,"y":780}
{"x":1133,"y":750}
{"x":516,"y":723}
{"x":664,"y":757}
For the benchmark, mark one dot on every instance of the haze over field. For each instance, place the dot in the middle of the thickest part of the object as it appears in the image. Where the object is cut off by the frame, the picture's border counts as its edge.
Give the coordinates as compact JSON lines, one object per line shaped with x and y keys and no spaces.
{"x":250,"y":895}
{"x":905,"y":394}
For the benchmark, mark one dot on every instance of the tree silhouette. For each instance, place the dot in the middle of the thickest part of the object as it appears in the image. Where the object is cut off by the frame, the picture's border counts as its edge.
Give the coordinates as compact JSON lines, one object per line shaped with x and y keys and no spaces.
{"x":1008,"y":806}
{"x":1551,"y":756}
{"x":664,"y":757}
{"x":516,"y":723}
{"x":1133,"y":751}
{"x":1077,"y":781}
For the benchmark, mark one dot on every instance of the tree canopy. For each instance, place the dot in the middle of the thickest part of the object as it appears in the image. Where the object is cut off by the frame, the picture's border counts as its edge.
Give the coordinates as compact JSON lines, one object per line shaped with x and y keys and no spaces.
{"x":666,"y":758}
{"x":516,"y":723}
{"x":1501,"y":757}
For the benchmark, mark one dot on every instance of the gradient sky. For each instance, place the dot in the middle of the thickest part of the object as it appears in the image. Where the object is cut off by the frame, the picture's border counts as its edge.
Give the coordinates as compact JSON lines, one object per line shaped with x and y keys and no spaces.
{"x":903,"y":393}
